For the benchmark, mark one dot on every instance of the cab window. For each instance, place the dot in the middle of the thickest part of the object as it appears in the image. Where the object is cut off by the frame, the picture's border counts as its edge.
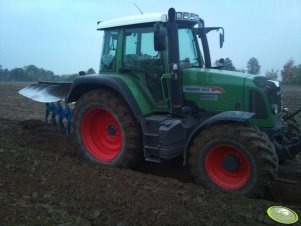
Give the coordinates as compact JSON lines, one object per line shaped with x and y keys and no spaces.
{"x":187,"y":48}
{"x":108,"y":59}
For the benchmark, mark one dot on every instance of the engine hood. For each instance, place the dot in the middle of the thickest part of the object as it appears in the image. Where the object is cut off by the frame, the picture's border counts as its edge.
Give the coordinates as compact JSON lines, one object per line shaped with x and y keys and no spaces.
{"x":216,"y":74}
{"x":213,"y":89}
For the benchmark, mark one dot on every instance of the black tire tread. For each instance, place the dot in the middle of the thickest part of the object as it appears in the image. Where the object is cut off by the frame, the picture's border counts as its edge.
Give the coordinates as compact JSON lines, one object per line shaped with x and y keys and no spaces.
{"x":266,"y":158}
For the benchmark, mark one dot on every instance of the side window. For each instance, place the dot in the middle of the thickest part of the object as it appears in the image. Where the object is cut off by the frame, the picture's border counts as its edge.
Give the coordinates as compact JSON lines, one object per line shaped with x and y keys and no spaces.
{"x":108,"y":58}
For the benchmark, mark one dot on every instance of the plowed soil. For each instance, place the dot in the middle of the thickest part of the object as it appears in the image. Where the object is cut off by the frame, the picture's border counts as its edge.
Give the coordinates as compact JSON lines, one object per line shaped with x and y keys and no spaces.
{"x":43,"y":181}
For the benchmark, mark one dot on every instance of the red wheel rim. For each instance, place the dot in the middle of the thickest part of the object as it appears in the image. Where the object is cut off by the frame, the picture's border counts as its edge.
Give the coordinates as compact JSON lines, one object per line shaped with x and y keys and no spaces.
{"x":101,"y":134}
{"x":219,"y":174}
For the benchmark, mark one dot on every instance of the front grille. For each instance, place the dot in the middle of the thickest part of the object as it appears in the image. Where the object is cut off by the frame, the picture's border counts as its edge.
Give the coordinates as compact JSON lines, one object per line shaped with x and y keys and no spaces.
{"x":257,"y":105}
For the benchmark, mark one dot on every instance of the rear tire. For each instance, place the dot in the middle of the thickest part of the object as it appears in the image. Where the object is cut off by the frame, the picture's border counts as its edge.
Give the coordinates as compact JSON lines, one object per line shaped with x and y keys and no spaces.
{"x":234,"y":158}
{"x":106,"y":130}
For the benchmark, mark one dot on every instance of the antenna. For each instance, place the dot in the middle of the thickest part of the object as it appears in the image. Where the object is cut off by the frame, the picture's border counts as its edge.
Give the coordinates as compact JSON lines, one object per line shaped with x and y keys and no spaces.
{"x":138,"y":8}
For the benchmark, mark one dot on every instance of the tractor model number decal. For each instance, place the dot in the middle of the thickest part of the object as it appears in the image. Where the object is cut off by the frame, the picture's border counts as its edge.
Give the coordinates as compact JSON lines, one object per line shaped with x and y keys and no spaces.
{"x":203,"y":89}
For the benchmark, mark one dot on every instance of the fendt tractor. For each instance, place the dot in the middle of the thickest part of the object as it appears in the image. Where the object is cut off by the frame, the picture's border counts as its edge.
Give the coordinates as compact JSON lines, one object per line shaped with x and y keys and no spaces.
{"x":158,"y":97}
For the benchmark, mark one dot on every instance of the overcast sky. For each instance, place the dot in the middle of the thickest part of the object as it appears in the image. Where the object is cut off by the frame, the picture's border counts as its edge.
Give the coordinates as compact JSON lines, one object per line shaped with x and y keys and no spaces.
{"x":60,"y":35}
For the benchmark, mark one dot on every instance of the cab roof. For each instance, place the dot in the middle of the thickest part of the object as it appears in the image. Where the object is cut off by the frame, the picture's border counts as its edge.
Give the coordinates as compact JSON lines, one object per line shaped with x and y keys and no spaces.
{"x":136,"y":19}
{"x":184,"y":17}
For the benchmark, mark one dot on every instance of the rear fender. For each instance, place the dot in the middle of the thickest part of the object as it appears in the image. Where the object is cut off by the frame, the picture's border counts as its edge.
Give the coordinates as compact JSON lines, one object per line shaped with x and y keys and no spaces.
{"x":227,"y":116}
{"x":84,"y":84}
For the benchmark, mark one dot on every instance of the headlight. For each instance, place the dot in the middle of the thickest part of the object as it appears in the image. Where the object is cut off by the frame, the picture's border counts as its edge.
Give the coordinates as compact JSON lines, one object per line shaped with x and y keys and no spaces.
{"x":275,"y":109}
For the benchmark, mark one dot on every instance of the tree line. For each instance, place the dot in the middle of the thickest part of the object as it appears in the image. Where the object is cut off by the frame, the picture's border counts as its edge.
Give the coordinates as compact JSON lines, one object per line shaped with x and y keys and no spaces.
{"x":31,"y":73}
{"x":290,"y":73}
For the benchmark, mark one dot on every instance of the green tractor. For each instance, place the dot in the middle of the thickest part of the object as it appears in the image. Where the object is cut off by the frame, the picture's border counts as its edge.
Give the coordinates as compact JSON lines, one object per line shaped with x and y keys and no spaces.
{"x":157,"y":97}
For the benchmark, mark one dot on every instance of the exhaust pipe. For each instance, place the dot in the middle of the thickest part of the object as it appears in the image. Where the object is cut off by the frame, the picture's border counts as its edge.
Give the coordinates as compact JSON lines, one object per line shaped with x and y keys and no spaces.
{"x":174,"y":63}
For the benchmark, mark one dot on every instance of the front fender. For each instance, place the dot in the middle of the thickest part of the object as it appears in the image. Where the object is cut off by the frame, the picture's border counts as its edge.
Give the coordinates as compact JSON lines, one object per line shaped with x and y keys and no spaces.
{"x":227,"y":116}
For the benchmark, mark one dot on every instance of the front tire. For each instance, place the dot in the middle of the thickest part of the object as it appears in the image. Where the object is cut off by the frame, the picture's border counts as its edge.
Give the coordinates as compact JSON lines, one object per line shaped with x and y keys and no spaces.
{"x":234,"y":158}
{"x":106,"y":130}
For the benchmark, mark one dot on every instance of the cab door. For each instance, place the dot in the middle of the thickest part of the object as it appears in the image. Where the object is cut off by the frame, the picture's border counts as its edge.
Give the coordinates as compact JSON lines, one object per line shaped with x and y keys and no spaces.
{"x":144,"y":64}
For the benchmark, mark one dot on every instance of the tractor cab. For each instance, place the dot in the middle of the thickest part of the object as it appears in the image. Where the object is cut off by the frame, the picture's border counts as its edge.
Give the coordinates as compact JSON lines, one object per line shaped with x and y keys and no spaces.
{"x":138,"y":47}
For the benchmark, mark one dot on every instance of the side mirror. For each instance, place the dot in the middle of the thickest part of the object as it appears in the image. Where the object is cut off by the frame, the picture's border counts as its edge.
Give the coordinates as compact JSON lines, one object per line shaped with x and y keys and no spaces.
{"x":221,"y":40}
{"x":160,"y":35}
{"x":221,"y":34}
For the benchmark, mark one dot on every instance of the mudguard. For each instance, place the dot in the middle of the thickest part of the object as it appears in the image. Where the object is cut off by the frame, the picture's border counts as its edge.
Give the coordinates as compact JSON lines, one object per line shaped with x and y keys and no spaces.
{"x":227,"y":116}
{"x":84,"y":84}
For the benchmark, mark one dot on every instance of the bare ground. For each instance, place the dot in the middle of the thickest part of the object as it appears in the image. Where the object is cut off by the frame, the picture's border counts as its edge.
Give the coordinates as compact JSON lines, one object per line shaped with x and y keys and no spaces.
{"x":43,"y":181}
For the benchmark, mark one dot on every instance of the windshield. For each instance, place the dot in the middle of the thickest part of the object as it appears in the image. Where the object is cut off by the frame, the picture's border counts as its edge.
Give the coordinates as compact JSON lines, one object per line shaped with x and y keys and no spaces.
{"x":188,"y":49}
